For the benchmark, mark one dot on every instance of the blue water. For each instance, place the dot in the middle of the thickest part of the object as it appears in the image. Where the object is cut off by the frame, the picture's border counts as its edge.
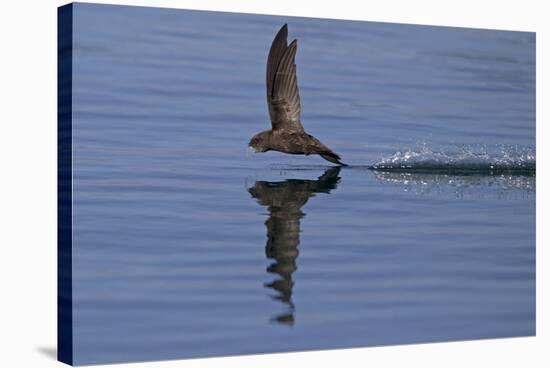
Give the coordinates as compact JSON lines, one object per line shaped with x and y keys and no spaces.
{"x":187,"y":246}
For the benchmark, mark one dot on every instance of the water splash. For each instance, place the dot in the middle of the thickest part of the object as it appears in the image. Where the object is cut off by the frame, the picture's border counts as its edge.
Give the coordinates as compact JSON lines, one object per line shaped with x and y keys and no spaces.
{"x":463,"y":159}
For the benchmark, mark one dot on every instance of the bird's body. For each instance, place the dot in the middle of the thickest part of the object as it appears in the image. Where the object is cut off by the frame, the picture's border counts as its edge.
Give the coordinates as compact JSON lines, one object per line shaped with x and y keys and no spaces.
{"x":296,"y":143}
{"x":287,"y":134}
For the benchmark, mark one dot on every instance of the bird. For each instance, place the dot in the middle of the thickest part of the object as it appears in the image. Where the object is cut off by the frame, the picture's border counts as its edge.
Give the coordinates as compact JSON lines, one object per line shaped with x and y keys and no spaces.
{"x":287,"y":134}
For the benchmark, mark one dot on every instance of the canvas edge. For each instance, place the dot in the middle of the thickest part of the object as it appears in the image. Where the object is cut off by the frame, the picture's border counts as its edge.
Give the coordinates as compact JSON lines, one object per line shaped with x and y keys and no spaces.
{"x":64,"y":184}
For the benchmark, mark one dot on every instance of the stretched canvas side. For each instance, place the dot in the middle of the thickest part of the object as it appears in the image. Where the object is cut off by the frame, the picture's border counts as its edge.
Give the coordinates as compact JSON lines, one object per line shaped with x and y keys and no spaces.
{"x":64,"y":184}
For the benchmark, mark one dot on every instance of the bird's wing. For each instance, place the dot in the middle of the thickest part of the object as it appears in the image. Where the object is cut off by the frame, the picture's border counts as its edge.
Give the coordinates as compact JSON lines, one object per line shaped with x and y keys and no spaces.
{"x":278,"y":48}
{"x":283,"y":98}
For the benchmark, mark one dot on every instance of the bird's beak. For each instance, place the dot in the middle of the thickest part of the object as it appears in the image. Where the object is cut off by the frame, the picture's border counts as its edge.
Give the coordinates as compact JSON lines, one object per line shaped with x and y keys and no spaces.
{"x":250,"y":149}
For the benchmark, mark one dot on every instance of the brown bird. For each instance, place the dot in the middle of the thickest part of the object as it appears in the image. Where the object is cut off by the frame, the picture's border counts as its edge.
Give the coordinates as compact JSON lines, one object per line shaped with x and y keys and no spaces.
{"x":287,"y":134}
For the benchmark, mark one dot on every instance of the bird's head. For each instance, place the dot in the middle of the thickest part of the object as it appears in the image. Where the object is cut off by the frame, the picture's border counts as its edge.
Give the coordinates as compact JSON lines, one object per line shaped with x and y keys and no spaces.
{"x":260,"y":142}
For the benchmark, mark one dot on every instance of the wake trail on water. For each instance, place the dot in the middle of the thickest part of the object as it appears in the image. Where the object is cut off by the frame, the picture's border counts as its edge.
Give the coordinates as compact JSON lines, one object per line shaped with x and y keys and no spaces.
{"x":463,"y":159}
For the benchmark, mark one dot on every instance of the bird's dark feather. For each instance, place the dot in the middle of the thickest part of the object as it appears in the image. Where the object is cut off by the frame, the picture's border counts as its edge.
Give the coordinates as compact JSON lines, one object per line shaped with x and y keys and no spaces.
{"x":278,"y":48}
{"x":283,"y":97}
{"x":332,"y":157}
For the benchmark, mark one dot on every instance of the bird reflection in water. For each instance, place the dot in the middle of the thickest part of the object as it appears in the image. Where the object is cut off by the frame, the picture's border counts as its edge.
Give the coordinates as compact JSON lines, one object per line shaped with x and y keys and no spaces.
{"x":284,"y":201}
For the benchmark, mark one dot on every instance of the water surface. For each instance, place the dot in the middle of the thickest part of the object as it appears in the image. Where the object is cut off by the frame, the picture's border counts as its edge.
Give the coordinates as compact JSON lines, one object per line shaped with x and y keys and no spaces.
{"x":185,"y":246}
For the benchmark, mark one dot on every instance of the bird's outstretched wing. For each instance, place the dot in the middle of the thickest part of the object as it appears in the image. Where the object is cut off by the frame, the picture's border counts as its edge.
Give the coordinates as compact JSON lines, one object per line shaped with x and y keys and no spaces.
{"x":278,"y":48}
{"x":283,"y":98}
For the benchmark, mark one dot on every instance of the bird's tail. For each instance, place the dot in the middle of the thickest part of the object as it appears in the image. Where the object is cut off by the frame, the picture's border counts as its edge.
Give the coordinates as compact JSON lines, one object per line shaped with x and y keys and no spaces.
{"x":332,"y":157}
